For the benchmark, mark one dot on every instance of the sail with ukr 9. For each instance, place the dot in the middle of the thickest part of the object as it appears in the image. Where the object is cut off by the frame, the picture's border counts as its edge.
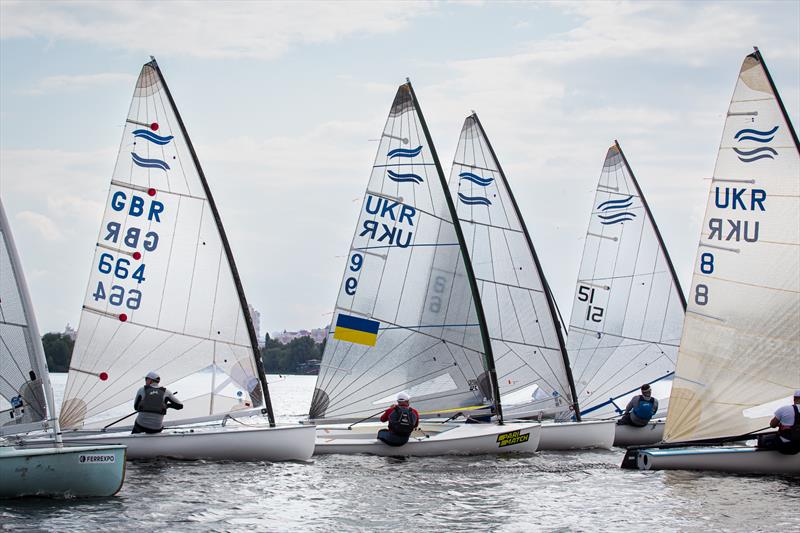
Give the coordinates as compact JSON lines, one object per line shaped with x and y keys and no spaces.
{"x":526,"y":335}
{"x":405,"y":318}
{"x":628,"y":309}
{"x":739,"y":357}
{"x":163,"y":292}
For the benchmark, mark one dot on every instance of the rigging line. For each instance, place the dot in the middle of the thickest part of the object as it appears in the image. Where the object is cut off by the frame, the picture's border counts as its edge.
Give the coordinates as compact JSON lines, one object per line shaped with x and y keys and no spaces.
{"x":214,"y":301}
{"x":365,"y":386}
{"x":628,"y":366}
{"x":623,"y":276}
{"x":611,"y":400}
{"x":169,"y":258}
{"x":326,"y":381}
{"x":560,"y":385}
{"x":477,"y":223}
{"x":194,"y":264}
{"x":649,"y":289}
{"x":531,"y":345}
{"x":8,"y":349}
{"x":459,"y":367}
{"x":511,"y":372}
{"x":180,"y":129}
{"x":627,"y":379}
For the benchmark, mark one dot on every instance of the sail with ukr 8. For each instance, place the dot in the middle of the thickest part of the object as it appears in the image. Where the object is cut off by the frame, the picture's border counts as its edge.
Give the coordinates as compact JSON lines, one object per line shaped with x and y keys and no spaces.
{"x":406,"y":318}
{"x":628,"y":309}
{"x":739,"y":357}
{"x":163,"y":293}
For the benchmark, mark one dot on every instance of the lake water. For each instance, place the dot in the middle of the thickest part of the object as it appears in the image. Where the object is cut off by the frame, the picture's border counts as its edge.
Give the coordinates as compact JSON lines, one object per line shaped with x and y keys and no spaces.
{"x":547,"y":491}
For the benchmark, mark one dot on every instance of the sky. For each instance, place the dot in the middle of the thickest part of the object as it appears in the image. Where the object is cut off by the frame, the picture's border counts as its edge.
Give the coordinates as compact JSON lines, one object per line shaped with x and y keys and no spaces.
{"x":283,"y":102}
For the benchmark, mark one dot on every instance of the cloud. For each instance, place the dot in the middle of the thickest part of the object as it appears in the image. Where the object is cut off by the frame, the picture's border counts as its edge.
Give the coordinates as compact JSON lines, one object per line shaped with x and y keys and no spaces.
{"x":42,"y":224}
{"x":67,"y":82}
{"x":263,"y":30}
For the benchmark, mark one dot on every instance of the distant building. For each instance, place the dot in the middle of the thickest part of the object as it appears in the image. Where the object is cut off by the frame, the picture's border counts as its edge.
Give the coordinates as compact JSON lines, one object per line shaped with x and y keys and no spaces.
{"x":285,"y":337}
{"x":69,"y":332}
{"x":255,"y":316}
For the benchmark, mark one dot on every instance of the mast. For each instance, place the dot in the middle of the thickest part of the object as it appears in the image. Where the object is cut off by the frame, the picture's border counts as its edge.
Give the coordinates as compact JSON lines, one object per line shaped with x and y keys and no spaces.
{"x":33,"y":327}
{"x":487,"y":344}
{"x":655,"y":226}
{"x":228,"y":253}
{"x":757,"y":54}
{"x":545,"y":284}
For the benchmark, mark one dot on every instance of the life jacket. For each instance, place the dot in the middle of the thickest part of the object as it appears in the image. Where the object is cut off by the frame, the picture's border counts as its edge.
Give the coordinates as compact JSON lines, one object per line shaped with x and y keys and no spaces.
{"x":644,"y":410}
{"x":402,"y":421}
{"x":792,"y":432}
{"x":153,"y":400}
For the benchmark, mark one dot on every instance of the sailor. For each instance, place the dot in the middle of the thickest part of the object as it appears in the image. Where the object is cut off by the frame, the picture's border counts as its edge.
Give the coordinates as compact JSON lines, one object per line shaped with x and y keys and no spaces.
{"x":402,"y":418}
{"x":787,"y":420}
{"x":152,"y":403}
{"x":640,"y":409}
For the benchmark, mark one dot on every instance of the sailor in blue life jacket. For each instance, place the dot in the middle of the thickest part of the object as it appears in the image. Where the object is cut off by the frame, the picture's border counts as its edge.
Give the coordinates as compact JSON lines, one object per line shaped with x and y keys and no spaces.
{"x":640,"y":409}
{"x":787,"y":420}
{"x":152,"y":403}
{"x":402,"y":418}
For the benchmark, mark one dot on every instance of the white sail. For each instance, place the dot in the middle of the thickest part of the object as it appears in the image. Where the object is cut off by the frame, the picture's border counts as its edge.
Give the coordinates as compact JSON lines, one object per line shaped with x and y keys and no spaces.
{"x":740,"y":351}
{"x":628,"y":310}
{"x":163,"y":291}
{"x":405,"y":318}
{"x":23,"y":375}
{"x":526,"y":336}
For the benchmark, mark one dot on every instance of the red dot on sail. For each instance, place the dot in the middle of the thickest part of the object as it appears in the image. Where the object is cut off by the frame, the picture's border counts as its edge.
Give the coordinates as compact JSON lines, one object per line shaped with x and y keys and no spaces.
{"x":151,"y":192}
{"x":123,"y":317}
{"x":137,"y":255}
{"x":103,"y":376}
{"x":154,"y":126}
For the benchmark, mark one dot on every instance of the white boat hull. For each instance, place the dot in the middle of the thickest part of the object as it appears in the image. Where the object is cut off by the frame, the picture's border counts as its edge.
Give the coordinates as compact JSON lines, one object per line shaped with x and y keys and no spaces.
{"x":734,"y":459}
{"x":652,"y":433}
{"x":281,"y":443}
{"x":70,"y":471}
{"x":433,"y":440}
{"x":577,"y":435}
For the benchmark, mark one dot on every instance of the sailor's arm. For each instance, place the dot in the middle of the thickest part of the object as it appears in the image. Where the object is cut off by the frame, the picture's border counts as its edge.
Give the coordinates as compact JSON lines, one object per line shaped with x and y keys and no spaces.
{"x":172,"y":401}
{"x":774,"y":422}
{"x":137,"y":400}
{"x":631,"y":404}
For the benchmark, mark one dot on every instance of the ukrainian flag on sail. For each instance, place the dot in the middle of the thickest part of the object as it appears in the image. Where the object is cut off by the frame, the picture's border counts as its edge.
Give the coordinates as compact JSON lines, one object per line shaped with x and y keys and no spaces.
{"x":356,"y":330}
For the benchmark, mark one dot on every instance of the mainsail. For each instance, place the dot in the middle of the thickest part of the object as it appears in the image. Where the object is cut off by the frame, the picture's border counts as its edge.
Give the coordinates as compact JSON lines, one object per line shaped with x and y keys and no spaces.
{"x":164,"y":293}
{"x":527,"y":342}
{"x":406,"y":317}
{"x":628,"y":310}
{"x":740,"y":352}
{"x":23,"y":374}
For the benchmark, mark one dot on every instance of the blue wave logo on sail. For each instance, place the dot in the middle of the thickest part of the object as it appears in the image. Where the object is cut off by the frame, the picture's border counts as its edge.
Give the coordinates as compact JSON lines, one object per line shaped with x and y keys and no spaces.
{"x":474,"y":178}
{"x":610,"y":213}
{"x":764,"y":152}
{"x":474,"y":200}
{"x":152,"y":137}
{"x":404,"y":152}
{"x":149,"y":163}
{"x":403,"y":178}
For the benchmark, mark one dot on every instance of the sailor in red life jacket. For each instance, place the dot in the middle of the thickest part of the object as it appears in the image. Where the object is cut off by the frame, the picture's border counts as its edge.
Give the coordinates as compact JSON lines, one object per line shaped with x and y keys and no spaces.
{"x":403,"y":420}
{"x":787,"y":420}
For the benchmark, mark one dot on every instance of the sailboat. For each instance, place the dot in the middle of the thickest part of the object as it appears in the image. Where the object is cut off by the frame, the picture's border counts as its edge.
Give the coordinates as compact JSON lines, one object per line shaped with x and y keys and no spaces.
{"x":408,"y":317}
{"x":628,"y":311}
{"x":739,"y":356}
{"x":50,"y":469}
{"x":526,"y":335}
{"x":165,"y":295}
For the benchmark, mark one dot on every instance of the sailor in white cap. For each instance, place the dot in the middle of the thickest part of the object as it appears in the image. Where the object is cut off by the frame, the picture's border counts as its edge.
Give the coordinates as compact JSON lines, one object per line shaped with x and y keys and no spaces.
{"x":403,"y":420}
{"x":787,"y":420}
{"x":152,"y":402}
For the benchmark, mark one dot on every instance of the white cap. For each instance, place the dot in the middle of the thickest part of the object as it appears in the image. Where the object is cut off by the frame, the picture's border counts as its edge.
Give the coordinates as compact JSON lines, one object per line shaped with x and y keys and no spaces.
{"x":797,"y":393}
{"x":402,"y":397}
{"x":153,"y":376}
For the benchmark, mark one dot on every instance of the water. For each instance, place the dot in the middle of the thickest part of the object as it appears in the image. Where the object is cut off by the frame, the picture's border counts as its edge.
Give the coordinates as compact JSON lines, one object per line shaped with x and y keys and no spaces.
{"x":544,"y":492}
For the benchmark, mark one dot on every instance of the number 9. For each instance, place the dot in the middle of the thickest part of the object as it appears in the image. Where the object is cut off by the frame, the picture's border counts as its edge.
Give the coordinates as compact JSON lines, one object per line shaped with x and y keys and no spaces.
{"x":356,"y":261}
{"x":350,"y":286}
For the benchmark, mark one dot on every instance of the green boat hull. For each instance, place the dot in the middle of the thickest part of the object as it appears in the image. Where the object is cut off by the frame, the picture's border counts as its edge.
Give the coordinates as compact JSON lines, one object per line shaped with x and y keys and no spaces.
{"x":70,"y":471}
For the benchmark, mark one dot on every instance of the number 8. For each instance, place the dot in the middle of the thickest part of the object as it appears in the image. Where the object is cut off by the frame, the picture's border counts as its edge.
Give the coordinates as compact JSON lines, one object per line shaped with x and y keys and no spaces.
{"x":707,"y":263}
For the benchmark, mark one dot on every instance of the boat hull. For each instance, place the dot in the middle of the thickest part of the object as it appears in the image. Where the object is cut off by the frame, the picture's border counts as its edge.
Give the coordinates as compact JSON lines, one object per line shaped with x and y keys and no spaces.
{"x":280,"y":443}
{"x":652,"y":433}
{"x":70,"y":471}
{"x":577,"y":435}
{"x":734,"y":459}
{"x":453,"y":439}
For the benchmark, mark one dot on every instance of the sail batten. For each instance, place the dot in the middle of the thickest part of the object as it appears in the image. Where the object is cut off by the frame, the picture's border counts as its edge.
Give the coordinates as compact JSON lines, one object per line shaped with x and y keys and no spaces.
{"x":740,"y":350}
{"x":164,"y":293}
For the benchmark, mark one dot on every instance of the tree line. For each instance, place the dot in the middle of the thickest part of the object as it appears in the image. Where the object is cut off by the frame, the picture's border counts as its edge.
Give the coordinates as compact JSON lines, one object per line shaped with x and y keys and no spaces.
{"x":300,"y":356}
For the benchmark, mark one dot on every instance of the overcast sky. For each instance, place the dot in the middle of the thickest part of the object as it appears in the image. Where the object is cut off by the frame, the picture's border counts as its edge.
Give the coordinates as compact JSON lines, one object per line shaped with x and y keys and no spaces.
{"x":282,"y":101}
